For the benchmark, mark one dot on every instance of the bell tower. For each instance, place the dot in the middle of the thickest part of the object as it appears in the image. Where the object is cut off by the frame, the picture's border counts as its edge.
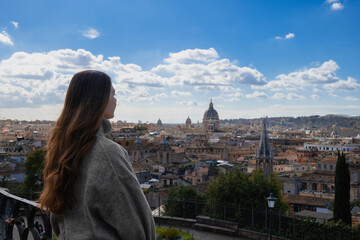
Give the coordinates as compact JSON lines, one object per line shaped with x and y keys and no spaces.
{"x":137,"y":151}
{"x":164,"y":152}
{"x":264,"y":154}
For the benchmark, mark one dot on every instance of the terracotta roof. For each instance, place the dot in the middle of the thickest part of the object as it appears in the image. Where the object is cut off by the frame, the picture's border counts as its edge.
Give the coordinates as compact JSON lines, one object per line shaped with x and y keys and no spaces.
{"x":329,"y":161}
{"x":319,"y":177}
{"x":304,"y":200}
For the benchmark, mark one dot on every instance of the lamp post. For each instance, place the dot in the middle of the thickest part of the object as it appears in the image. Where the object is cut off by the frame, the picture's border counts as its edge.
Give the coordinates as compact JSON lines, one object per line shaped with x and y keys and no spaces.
{"x":271,"y":203}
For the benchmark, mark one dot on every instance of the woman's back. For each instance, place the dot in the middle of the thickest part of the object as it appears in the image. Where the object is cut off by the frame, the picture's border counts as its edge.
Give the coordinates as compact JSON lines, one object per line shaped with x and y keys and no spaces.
{"x":110,"y":203}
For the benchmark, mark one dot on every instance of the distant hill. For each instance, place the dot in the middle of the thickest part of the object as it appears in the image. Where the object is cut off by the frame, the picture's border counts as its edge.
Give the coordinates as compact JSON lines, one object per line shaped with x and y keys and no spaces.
{"x":316,"y":121}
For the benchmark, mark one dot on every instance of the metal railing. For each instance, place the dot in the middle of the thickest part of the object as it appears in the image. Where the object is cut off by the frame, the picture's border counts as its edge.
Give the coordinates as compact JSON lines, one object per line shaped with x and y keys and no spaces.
{"x":258,"y":220}
{"x":13,"y":210}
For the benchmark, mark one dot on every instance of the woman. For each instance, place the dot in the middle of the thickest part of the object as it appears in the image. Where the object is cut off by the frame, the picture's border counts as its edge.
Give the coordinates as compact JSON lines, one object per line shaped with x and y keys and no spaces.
{"x":90,"y":186}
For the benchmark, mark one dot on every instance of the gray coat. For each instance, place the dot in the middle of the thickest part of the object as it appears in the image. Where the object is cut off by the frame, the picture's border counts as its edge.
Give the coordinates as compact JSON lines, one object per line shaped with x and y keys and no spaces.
{"x":110,"y":203}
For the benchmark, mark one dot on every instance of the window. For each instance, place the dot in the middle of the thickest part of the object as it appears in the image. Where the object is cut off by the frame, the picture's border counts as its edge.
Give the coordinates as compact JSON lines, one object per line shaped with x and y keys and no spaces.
{"x":319,"y":166}
{"x":331,"y":167}
{"x":325,"y":166}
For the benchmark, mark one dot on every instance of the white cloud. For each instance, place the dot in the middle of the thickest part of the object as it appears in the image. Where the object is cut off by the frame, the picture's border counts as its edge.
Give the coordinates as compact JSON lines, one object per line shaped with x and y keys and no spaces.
{"x":207,"y":88}
{"x":337,"y":6}
{"x":232,"y":97}
{"x":331,"y":1}
{"x":289,"y":96}
{"x":257,"y":95}
{"x":349,"y":85}
{"x":294,"y":96}
{"x":90,"y":33}
{"x":296,"y":81}
{"x":138,"y":94}
{"x":278,"y":96}
{"x":42,"y":78}
{"x":193,"y":103}
{"x":315,"y":97}
{"x":204,"y":69}
{"x":352,"y":99}
{"x":193,"y":55}
{"x":316,"y":90}
{"x":235,"y":94}
{"x":176,"y":93}
{"x":287,"y":36}
{"x":277,"y":110}
{"x":5,"y":38}
{"x":16,"y":24}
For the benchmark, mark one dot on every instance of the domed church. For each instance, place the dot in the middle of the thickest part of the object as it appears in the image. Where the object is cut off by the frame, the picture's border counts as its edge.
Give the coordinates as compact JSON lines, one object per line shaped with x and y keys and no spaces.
{"x":211,"y":121}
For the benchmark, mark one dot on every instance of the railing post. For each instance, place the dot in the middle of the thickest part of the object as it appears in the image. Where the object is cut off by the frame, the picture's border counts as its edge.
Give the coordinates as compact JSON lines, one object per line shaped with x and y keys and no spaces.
{"x":252,"y":216}
{"x":225,"y":211}
{"x":183,"y":207}
{"x":196,"y":207}
{"x":10,"y":212}
{"x":279,"y":220}
{"x":266,"y":227}
{"x":210,"y":209}
{"x":239,"y":215}
{"x":294,"y":225}
{"x":159,"y":204}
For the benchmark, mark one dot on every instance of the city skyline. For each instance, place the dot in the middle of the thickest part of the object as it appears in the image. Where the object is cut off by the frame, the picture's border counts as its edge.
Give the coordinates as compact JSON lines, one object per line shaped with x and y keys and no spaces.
{"x":168,"y":59}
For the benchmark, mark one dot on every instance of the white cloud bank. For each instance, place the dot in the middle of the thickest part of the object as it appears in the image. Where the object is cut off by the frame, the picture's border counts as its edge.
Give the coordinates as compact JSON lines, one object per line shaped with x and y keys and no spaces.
{"x":204,"y":69}
{"x":322,"y":76}
{"x":37,"y":80}
{"x":5,"y":38}
{"x":33,"y":79}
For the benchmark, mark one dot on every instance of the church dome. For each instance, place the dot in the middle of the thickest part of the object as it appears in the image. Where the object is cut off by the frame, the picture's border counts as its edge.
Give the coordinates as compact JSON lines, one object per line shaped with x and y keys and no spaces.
{"x":188,"y":120}
{"x":211,"y":113}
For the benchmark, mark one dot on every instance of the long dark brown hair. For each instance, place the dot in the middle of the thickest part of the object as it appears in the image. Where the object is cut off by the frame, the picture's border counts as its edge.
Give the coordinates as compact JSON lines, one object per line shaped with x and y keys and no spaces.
{"x":72,"y":137}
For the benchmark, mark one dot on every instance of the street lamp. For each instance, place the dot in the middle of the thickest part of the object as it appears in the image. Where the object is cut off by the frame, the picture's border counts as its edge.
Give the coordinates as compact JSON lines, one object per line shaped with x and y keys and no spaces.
{"x":271,"y":204}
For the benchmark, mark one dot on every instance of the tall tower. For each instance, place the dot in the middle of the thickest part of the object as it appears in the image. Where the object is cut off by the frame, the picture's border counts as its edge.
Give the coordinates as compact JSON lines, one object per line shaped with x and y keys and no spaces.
{"x":264,"y":155}
{"x":188,"y":122}
{"x":164,"y":152}
{"x":137,"y":150}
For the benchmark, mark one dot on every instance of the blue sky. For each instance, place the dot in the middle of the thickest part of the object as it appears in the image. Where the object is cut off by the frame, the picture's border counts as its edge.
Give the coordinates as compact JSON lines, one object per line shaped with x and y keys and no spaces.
{"x":167,"y":59}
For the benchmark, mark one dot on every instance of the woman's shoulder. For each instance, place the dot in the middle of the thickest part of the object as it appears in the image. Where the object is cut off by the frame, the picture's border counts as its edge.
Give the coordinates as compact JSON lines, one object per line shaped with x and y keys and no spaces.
{"x":110,"y":146}
{"x":114,"y":155}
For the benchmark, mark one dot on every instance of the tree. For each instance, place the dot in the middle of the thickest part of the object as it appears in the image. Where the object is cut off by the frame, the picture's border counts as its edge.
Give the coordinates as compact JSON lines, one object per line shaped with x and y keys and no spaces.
{"x":236,"y":188}
{"x":34,"y":166}
{"x":183,"y":202}
{"x":342,"y":191}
